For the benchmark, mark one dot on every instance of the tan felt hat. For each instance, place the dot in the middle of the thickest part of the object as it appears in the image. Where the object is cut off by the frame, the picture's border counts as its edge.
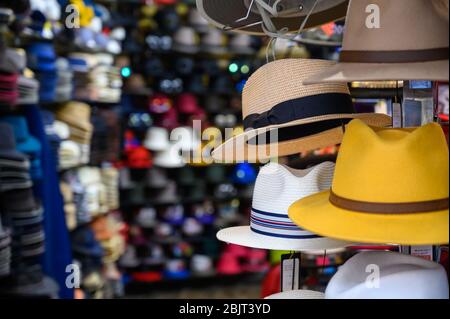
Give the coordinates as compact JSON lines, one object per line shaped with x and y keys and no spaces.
{"x":392,"y":40}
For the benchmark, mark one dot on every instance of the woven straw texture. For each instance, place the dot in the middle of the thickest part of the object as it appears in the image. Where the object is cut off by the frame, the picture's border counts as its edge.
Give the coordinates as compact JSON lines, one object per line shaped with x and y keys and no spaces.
{"x":282,"y":80}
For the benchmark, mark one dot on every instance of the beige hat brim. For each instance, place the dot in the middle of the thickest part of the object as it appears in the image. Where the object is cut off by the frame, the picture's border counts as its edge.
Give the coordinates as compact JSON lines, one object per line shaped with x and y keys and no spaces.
{"x":244,"y":236}
{"x":238,"y":149}
{"x":349,"y":72}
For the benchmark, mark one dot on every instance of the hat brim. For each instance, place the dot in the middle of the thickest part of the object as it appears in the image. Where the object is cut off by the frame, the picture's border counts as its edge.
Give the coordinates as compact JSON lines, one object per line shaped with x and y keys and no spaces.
{"x":349,"y":72}
{"x":244,"y":236}
{"x":297,"y":294}
{"x":316,"y":214}
{"x":222,"y":13}
{"x":238,"y":148}
{"x":169,"y":164}
{"x":13,"y":155}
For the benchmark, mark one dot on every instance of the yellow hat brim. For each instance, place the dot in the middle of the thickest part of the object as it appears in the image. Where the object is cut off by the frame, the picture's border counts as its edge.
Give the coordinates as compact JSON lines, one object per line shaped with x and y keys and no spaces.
{"x":316,"y":214}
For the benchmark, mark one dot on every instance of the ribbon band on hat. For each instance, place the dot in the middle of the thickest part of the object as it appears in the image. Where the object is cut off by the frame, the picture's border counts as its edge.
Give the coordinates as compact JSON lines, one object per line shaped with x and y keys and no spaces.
{"x":301,"y":108}
{"x":388,"y":208}
{"x":400,"y":56}
{"x":277,"y":225}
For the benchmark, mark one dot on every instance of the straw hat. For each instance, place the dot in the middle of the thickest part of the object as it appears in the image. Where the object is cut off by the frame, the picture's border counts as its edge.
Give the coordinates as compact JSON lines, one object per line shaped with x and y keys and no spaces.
{"x":76,"y":115}
{"x":276,"y":188}
{"x":305,"y":117}
{"x":390,"y":186}
{"x":411,"y":43}
{"x":224,"y":13}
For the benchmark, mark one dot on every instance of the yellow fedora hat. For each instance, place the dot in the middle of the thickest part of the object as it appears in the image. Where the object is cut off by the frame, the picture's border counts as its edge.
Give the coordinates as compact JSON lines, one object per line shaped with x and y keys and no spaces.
{"x":390,"y":186}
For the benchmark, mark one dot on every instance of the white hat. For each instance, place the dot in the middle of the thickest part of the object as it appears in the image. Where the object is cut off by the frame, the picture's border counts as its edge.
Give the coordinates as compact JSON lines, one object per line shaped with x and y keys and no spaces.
{"x":186,"y":40}
{"x":388,"y":275}
{"x":170,"y":158}
{"x":69,"y":154}
{"x":199,"y":23}
{"x":241,"y":43}
{"x":157,"y":139}
{"x":61,"y":129}
{"x":277,"y":187}
{"x":147,"y":217}
{"x":298,"y":294}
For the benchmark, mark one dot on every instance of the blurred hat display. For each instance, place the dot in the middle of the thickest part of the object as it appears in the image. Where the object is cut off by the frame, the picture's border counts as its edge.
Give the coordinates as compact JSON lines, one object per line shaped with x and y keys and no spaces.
{"x":170,"y":157}
{"x":197,"y":21}
{"x":166,"y":195}
{"x":214,"y":42}
{"x":187,"y":103}
{"x":242,"y":44}
{"x":244,"y":174}
{"x":146,"y":217}
{"x":186,"y":40}
{"x":119,"y":99}
{"x":156,"y":178}
{"x":140,"y":158}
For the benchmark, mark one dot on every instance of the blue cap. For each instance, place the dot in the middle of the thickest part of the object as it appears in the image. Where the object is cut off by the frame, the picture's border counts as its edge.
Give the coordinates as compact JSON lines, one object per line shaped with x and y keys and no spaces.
{"x":244,"y":174}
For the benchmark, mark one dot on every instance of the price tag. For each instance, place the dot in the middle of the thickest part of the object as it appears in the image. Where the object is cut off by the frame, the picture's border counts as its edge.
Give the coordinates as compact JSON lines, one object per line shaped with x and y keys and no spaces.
{"x":425,"y":252}
{"x":290,"y":272}
{"x":397,"y":118}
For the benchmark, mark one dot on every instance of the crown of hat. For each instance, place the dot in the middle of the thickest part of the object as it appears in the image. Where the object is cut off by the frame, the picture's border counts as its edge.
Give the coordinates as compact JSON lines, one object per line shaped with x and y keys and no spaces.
{"x":278,"y":186}
{"x":397,"y":20}
{"x":157,"y":137}
{"x":186,"y":35}
{"x":392,"y":165}
{"x":214,"y":37}
{"x":74,"y":112}
{"x":282,"y":81}
{"x":401,"y":276}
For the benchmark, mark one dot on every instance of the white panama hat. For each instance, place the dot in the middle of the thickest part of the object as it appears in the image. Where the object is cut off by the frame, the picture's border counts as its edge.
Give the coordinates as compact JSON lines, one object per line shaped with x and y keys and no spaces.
{"x":277,"y":187}
{"x":388,"y":275}
{"x":157,"y":139}
{"x":170,"y":157}
{"x":297,"y":294}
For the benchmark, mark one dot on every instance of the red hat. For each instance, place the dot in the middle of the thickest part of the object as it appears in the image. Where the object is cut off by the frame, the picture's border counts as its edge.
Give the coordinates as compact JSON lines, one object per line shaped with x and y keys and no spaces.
{"x":187,"y":103}
{"x":147,"y":276}
{"x":168,"y":120}
{"x":271,"y":284}
{"x":165,"y":1}
{"x":139,"y":158}
{"x":228,"y":264}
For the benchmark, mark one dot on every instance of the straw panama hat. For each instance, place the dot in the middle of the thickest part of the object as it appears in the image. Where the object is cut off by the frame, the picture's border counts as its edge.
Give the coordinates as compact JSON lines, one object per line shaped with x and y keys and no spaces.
{"x":224,"y":13}
{"x":276,"y":188}
{"x":297,"y":294}
{"x":410,"y":44}
{"x":305,"y":118}
{"x":390,"y":186}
